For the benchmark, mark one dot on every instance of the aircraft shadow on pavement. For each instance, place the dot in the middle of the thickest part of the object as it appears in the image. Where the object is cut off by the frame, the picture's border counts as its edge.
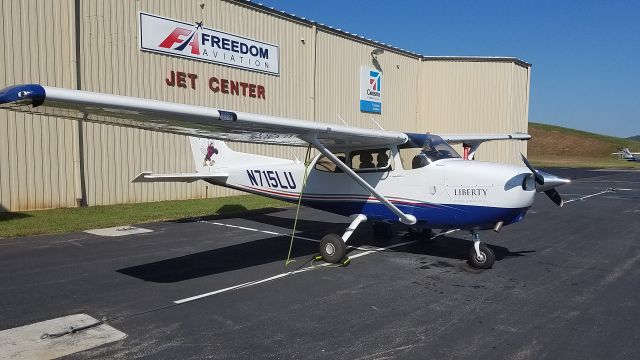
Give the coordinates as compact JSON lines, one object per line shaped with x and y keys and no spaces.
{"x":455,"y":248}
{"x":230,"y":211}
{"x":216,"y":261}
{"x":247,"y":254}
{"x":269,"y":250}
{"x":253,"y":253}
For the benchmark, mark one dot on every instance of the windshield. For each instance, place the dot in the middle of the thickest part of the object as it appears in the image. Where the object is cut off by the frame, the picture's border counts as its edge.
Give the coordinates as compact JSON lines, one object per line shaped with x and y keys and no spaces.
{"x":423,"y":149}
{"x":435,"y":148}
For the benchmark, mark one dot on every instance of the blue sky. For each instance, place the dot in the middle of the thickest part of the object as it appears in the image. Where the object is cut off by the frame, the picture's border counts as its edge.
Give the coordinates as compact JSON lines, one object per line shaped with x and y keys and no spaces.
{"x":585,"y":54}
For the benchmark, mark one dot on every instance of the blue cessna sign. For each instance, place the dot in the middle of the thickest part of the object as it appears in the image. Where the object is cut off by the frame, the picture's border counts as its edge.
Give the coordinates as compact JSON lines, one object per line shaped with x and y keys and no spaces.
{"x":370,"y":90}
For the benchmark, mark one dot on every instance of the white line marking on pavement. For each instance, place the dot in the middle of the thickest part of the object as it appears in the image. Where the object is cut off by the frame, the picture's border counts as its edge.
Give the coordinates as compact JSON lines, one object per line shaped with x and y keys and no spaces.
{"x":274,"y":233}
{"x":592,"y":195}
{"x":308,"y":268}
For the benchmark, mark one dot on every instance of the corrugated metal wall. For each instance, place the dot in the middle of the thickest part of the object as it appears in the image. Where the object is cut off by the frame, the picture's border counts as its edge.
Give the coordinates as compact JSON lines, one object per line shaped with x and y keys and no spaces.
{"x":338,"y":84}
{"x":111,"y":62}
{"x":319,"y":78}
{"x":476,"y":97}
{"x":36,"y":152}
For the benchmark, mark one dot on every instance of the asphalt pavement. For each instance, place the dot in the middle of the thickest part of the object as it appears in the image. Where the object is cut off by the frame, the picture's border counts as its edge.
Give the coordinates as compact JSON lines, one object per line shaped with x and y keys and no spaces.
{"x":564,"y":285}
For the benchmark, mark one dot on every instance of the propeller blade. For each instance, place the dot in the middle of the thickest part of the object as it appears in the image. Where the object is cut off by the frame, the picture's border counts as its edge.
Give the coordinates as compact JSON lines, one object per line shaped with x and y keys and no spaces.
{"x":555,"y":196}
{"x":539,"y":178}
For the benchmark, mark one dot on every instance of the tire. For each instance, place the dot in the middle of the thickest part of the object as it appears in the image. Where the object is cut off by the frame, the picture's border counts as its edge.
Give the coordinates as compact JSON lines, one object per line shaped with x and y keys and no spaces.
{"x":332,"y":248}
{"x":484,"y":263}
{"x":382,"y":231}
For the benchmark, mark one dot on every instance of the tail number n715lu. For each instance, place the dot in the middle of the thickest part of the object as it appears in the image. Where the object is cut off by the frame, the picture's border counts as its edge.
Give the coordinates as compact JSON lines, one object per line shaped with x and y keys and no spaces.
{"x":272,"y":179}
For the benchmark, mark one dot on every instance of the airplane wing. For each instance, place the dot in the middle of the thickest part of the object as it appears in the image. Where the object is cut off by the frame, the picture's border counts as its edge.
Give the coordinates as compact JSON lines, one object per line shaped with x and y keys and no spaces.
{"x":475,"y":140}
{"x":479,"y":138}
{"x":188,"y":120}
{"x":148,"y":176}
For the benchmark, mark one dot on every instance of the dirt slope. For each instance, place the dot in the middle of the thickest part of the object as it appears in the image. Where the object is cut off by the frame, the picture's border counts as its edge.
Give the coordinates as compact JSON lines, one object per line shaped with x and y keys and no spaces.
{"x":555,"y":140}
{"x":554,"y":144}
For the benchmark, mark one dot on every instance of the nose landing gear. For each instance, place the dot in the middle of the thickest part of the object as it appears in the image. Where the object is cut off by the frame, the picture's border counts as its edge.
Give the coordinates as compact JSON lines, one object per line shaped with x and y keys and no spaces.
{"x":480,"y":255}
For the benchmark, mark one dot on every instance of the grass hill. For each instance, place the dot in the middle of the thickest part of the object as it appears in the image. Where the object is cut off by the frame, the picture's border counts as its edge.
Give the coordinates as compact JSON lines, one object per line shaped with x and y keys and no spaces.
{"x":558,"y":146}
{"x":634,"y":138}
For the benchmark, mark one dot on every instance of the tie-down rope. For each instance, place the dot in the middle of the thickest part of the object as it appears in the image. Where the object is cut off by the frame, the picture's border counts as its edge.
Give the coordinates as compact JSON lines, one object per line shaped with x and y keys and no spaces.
{"x":307,"y":162}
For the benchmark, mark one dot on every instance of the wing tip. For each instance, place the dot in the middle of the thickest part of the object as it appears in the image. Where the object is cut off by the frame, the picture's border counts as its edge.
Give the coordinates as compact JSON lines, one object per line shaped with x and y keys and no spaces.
{"x":141,"y":177}
{"x":26,"y":94}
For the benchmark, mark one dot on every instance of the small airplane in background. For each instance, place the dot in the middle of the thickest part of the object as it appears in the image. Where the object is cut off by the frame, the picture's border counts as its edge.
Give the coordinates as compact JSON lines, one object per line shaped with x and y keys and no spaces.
{"x":625,"y":154}
{"x":384,"y":177}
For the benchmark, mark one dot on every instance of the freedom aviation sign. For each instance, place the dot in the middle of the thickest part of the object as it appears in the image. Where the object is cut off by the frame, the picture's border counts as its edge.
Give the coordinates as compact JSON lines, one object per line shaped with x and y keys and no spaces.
{"x":194,"y":41}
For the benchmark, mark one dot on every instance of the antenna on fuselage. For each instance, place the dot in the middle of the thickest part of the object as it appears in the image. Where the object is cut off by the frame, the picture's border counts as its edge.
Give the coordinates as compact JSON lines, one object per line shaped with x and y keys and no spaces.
{"x":375,"y":122}
{"x":344,"y":122}
{"x":294,"y":156}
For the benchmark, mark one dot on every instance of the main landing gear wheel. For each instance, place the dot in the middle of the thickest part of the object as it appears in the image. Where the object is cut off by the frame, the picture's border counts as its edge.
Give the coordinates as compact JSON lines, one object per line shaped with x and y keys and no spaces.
{"x":485,"y":259}
{"x":332,"y":248}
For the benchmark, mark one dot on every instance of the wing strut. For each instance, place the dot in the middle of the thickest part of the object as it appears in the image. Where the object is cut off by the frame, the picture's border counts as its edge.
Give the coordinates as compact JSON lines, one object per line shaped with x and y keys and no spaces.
{"x":404,"y":218}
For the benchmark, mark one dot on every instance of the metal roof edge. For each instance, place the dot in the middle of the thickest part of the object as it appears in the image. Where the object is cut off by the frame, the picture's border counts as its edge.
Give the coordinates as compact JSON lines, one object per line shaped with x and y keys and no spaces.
{"x":326,"y":28}
{"x":478,"y":59}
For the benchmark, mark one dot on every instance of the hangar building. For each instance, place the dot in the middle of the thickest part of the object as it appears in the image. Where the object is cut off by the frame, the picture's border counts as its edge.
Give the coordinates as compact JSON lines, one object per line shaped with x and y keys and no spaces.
{"x":249,"y":58}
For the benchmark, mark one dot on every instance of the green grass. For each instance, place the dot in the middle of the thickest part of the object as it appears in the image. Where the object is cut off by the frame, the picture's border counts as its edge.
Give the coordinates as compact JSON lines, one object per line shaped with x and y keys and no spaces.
{"x":556,"y":146}
{"x":618,"y":142}
{"x":53,"y":221}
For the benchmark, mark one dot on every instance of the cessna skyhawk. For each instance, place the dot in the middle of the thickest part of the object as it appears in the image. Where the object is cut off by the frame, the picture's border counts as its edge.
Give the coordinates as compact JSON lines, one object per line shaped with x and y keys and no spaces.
{"x":380,"y":176}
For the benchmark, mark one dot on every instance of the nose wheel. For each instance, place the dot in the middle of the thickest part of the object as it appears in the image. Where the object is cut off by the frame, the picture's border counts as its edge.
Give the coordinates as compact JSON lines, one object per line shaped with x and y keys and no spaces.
{"x":480,"y":255}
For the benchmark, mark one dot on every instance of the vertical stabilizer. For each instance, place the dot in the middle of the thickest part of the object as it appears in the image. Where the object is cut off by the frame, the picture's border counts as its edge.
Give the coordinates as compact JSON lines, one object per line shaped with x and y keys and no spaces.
{"x":210,"y":155}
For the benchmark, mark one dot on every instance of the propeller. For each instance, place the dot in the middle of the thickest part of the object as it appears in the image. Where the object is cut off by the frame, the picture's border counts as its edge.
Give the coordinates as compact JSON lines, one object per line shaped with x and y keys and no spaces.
{"x":539,"y":178}
{"x":555,"y":196}
{"x":548,"y":190}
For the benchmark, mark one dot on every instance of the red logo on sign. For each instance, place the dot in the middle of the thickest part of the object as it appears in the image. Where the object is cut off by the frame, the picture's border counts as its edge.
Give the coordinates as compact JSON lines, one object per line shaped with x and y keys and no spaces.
{"x":176,"y":38}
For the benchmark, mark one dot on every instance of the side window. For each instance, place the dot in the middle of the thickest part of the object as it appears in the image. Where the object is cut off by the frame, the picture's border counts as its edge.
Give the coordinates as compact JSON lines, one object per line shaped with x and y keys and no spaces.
{"x":326,"y":165}
{"x":413,"y":158}
{"x":371,"y":160}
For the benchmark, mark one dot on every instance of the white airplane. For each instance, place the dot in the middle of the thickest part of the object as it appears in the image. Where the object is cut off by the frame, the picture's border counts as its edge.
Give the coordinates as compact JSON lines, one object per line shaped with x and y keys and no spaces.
{"x":358,"y":172}
{"x":627,"y":155}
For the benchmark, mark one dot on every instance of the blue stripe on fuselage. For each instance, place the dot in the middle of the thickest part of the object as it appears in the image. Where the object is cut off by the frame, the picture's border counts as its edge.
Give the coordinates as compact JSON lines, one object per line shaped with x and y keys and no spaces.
{"x":440,"y":217}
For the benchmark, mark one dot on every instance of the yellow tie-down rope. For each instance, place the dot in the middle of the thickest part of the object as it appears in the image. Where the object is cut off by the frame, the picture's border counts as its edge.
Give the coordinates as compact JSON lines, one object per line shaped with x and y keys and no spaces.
{"x":307,"y":162}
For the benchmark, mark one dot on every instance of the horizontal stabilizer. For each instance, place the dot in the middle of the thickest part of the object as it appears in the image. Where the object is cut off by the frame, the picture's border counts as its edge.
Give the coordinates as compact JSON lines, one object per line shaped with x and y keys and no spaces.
{"x":148,"y":176}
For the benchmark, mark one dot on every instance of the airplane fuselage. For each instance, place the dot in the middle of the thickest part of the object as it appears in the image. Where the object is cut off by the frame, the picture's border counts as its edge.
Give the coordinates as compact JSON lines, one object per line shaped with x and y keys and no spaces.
{"x":449,"y":193}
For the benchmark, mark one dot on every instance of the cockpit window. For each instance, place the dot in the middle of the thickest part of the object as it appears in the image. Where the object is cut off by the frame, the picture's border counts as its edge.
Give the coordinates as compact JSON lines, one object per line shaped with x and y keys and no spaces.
{"x":424,"y":149}
{"x":371,"y":160}
{"x":326,"y":165}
